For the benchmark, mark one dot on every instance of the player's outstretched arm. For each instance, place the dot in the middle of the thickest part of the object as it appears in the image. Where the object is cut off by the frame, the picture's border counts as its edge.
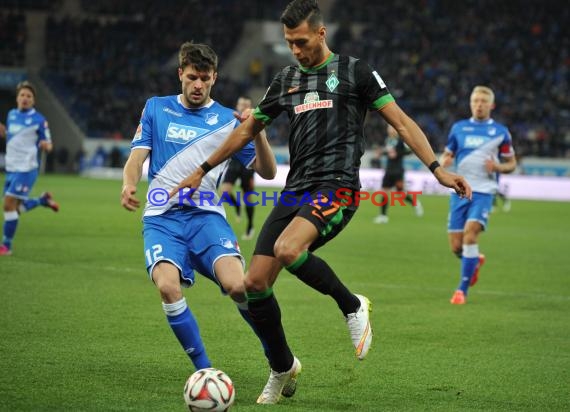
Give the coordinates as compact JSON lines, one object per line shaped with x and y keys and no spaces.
{"x":237,"y":139}
{"x":131,"y":176}
{"x":2,"y":130}
{"x":417,"y":141}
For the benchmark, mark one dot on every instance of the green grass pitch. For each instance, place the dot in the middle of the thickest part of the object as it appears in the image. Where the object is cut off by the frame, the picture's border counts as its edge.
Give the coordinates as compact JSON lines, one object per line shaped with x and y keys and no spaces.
{"x":82,"y":329}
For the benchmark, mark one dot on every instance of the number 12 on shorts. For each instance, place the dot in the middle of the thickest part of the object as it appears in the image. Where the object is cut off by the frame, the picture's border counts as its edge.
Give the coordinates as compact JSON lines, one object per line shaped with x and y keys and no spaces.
{"x":154,"y":254}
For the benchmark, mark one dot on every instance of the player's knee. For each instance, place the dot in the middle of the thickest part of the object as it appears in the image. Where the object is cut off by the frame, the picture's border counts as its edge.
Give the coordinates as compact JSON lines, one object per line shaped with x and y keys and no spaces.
{"x":286,"y":252}
{"x":170,"y":291}
{"x":10,"y":204}
{"x":255,"y":284}
{"x":236,"y":290}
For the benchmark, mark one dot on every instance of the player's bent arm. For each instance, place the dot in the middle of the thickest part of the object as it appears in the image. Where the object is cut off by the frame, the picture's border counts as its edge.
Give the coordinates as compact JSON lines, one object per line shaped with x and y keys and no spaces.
{"x":264,"y":164}
{"x":508,"y":165}
{"x":131,"y":176}
{"x":133,"y":167}
{"x":446,"y":159}
{"x":409,"y":131}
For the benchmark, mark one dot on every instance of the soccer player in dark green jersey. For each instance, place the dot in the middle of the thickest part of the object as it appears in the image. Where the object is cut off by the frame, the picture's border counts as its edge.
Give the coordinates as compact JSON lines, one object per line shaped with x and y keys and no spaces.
{"x":326,"y":97}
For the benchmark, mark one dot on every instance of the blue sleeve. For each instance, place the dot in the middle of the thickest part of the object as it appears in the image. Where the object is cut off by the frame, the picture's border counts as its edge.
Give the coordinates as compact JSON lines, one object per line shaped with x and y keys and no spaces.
{"x":452,"y":140}
{"x":43,"y":129}
{"x":246,"y":155}
{"x":143,"y":135}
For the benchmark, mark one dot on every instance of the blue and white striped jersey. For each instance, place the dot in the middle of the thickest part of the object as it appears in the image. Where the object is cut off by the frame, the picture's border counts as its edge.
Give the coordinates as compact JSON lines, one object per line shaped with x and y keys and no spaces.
{"x":25,"y":129}
{"x":180,"y":140}
{"x":473,"y":142}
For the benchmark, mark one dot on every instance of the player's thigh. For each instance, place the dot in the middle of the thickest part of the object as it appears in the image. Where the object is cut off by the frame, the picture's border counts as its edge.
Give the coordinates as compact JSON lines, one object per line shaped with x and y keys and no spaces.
{"x":232,"y":173}
{"x":480,"y":207}
{"x":458,"y":212}
{"x":247,"y":180}
{"x":163,"y":243}
{"x":295,"y":238}
{"x":230,"y":273}
{"x":389,"y":180}
{"x":20,"y":184}
{"x":279,"y":218}
{"x":481,"y":204}
{"x":329,"y":214}
{"x":210,"y":238}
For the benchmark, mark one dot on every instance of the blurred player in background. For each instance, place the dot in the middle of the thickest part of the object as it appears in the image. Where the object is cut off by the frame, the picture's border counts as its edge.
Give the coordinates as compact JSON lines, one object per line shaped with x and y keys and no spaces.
{"x":481,"y":148}
{"x":326,"y":97}
{"x":27,"y":135}
{"x":396,"y":150}
{"x":237,"y":171}
{"x":179,"y":133}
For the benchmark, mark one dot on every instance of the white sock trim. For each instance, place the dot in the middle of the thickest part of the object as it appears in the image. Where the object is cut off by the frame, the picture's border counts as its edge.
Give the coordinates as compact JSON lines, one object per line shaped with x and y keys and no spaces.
{"x":8,"y":216}
{"x":176,"y":308}
{"x":471,"y":251}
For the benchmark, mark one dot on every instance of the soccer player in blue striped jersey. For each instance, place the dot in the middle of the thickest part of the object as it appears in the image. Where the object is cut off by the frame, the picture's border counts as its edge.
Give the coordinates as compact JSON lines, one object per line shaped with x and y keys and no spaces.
{"x":27,"y":134}
{"x":482,"y":148}
{"x":188,"y":234}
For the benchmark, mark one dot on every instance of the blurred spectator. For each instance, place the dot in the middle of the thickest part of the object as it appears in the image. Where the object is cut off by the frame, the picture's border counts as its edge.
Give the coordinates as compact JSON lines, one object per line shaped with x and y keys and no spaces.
{"x":99,"y":158}
{"x":106,"y":65}
{"x":13,"y":34}
{"x":522,"y":48}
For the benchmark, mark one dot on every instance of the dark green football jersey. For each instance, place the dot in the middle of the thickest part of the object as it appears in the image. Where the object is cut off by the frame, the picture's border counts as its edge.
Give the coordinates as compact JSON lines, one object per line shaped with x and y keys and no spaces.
{"x":326,"y":105}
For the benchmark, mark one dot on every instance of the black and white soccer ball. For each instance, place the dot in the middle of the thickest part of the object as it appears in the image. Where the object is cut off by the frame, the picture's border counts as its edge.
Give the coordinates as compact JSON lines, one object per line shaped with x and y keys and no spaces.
{"x":209,"y":389}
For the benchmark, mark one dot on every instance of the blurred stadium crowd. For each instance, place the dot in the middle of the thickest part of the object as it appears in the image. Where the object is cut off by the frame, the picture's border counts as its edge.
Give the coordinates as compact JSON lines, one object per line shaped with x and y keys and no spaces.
{"x":431,"y":53}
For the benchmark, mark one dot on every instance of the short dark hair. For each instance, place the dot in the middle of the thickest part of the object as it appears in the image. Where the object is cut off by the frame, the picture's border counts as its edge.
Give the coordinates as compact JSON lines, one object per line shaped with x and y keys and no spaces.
{"x":26,"y":85}
{"x":199,"y":56}
{"x":298,"y":11}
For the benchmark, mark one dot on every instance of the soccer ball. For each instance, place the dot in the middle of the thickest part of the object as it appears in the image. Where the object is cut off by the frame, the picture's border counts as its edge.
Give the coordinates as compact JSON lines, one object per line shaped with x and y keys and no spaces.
{"x":209,"y":389}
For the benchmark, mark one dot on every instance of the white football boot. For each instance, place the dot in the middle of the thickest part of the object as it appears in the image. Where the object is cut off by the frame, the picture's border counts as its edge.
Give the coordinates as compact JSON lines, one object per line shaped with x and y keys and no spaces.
{"x":278,"y":382}
{"x":359,"y":327}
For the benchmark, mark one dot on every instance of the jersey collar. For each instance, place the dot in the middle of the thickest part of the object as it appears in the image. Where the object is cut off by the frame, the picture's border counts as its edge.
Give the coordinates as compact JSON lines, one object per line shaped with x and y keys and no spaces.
{"x":488,"y":121}
{"x":207,"y":105}
{"x":318,"y":67}
{"x":28,"y":112}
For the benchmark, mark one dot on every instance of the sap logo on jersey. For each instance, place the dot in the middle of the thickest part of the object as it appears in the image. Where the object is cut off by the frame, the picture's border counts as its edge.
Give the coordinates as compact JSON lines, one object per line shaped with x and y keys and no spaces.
{"x":474,"y":141}
{"x":182,"y":134}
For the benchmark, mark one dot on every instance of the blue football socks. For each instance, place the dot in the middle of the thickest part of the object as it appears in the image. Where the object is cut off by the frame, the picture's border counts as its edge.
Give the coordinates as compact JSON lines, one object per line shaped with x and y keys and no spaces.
{"x":30,"y":204}
{"x":469,"y":262}
{"x":10,"y":225}
{"x":186,"y":329}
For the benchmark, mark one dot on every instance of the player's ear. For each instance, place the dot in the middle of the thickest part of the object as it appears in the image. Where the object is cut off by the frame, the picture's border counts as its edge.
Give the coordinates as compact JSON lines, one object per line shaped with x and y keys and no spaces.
{"x":180,"y":71}
{"x":214,"y":77}
{"x":322,"y":33}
